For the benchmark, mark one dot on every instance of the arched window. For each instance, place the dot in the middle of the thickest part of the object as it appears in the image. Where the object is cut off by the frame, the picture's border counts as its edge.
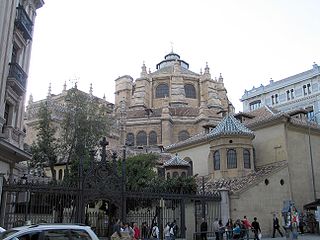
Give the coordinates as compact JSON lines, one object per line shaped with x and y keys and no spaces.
{"x":168,"y":175}
{"x":246,"y":158}
{"x":175,"y":174}
{"x":183,"y":174}
{"x":153,"y":138}
{"x":162,"y":91}
{"x":231,"y":158}
{"x":183,"y":135}
{"x":190,"y":169}
{"x":216,"y":160}
{"x":130,"y":139}
{"x":60,"y":174}
{"x":190,"y":91}
{"x":141,"y":138}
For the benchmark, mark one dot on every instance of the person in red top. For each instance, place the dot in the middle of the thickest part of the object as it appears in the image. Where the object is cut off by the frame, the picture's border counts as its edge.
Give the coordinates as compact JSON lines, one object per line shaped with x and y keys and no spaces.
{"x":247,"y":225}
{"x":136,"y":231}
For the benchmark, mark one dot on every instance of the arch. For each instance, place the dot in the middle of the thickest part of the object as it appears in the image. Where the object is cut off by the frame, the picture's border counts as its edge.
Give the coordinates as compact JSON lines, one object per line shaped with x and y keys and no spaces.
{"x":168,"y":175}
{"x":183,"y":174}
{"x":231,"y":158}
{"x":130,"y":139}
{"x":246,"y":158}
{"x":190,"y":91}
{"x":183,"y":135}
{"x":216,"y":160}
{"x":175,"y":174}
{"x":153,"y":138}
{"x":141,"y":138}
{"x":162,"y":90}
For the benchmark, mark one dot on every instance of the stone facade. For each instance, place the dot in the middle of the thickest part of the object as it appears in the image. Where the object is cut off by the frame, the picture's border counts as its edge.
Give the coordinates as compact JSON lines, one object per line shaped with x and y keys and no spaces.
{"x":299,"y":91}
{"x":169,"y":104}
{"x":17,"y":18}
{"x":284,"y":163}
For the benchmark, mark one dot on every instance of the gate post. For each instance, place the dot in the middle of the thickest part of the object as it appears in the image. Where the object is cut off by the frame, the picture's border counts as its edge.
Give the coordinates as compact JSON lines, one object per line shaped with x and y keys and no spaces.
{"x":183,"y":218}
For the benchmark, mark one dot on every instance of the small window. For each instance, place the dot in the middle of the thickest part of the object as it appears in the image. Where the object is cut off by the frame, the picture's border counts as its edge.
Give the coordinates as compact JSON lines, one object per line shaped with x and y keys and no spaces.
{"x":183,"y":174}
{"x":168,"y":175}
{"x":246,"y":158}
{"x":152,"y":138}
{"x":175,"y":174}
{"x":255,"y":105}
{"x":190,"y":91}
{"x":183,"y":135}
{"x":266,"y":182}
{"x":216,"y":160}
{"x":162,"y":91}
{"x":141,"y":138}
{"x":130,"y":139}
{"x":231,"y":159}
{"x":281,"y":182}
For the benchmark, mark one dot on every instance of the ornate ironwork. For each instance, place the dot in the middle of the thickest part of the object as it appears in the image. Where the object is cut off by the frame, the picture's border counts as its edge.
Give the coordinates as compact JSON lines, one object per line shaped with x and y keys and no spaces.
{"x":17,"y":73}
{"x":24,"y":23}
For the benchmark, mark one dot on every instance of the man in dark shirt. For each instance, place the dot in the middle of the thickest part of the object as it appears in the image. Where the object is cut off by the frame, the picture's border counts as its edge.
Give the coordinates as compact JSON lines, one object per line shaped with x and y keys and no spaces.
{"x":256,"y":228}
{"x":276,"y":226}
{"x":204,"y":229}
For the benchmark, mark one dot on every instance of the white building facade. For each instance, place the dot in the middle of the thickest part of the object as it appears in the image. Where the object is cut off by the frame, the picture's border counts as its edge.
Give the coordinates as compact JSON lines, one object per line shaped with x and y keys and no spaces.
{"x":16,"y":28}
{"x":299,"y":91}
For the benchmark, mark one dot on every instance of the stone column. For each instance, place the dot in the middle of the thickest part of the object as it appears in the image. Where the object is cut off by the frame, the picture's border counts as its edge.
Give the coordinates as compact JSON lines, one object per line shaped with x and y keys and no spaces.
{"x":225,"y":205}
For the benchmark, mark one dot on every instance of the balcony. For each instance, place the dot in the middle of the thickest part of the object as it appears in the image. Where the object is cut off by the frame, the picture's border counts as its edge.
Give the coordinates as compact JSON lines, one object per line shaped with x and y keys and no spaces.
{"x":17,"y":78}
{"x":24,"y":23}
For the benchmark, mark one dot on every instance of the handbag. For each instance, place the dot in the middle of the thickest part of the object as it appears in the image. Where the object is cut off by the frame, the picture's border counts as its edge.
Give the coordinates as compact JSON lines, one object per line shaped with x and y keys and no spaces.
{"x":260,"y":236}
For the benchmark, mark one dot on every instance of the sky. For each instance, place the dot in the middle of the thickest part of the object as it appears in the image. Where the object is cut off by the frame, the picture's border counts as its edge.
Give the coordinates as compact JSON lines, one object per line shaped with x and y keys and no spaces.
{"x":248,"y":41}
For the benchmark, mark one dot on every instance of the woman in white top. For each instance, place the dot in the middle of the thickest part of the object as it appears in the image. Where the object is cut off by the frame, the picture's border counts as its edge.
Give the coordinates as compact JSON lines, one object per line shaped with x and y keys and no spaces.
{"x":166,"y":231}
{"x":155,"y":232}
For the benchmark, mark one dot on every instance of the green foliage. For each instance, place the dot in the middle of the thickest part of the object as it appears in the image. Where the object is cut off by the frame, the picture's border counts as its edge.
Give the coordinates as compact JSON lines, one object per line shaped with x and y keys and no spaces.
{"x":141,"y":176}
{"x":140,"y":170}
{"x":44,"y":149}
{"x":85,"y":122}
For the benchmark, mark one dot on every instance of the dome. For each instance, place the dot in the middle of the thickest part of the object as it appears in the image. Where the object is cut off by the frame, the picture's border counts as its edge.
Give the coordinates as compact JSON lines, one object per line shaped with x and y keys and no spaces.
{"x":170,"y":59}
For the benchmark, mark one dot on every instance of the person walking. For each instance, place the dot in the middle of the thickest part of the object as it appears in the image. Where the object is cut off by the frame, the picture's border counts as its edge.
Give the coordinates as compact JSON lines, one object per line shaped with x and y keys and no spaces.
{"x":173,"y":230}
{"x":155,"y":232}
{"x":216,"y":228}
{"x":166,"y":232}
{"x":229,"y":227}
{"x":276,"y":226}
{"x":203,"y":229}
{"x":256,"y":228}
{"x":144,"y":231}
{"x":136,"y":231}
{"x":247,"y":226}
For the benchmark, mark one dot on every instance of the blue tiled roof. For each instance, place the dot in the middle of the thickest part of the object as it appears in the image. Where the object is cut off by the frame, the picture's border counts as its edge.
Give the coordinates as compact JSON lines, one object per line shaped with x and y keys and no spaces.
{"x":176,"y":161}
{"x":230,"y":126}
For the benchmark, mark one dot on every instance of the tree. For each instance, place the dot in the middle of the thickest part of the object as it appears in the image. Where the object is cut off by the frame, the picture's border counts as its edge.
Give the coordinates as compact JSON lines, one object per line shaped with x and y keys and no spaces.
{"x":44,"y":149}
{"x":85,"y":122}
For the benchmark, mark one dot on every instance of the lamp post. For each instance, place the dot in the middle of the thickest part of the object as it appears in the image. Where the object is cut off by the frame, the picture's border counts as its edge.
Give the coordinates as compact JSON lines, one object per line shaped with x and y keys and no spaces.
{"x":311,"y":155}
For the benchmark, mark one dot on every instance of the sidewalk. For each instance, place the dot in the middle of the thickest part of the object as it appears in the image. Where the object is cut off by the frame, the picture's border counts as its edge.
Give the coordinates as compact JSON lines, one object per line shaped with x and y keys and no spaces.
{"x":301,"y":237}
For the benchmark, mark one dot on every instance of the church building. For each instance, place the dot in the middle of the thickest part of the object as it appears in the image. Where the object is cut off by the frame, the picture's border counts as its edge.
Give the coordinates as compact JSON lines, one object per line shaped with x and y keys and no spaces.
{"x":168,"y":105}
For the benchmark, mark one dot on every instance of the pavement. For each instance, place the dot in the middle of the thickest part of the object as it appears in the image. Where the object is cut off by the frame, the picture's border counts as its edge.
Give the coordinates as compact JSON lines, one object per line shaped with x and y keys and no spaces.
{"x":300,"y":237}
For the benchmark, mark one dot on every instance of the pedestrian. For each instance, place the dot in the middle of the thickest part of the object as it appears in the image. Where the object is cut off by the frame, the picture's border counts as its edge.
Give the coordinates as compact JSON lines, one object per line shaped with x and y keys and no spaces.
{"x":229,"y":227}
{"x":166,"y":231}
{"x":236,"y":230}
{"x":155,"y":232}
{"x":174,"y":230}
{"x":203,"y":229}
{"x":247,"y":226}
{"x":216,"y":228}
{"x":136,"y":231}
{"x":301,"y":223}
{"x":127,"y":229}
{"x":117,"y":229}
{"x":144,"y":231}
{"x":256,"y":228}
{"x":276,"y":226}
{"x":221,"y":229}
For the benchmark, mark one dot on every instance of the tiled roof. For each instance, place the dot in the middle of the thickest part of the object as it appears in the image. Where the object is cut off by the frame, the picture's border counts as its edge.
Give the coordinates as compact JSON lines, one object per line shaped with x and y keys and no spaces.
{"x":176,"y":161}
{"x":238,"y":184}
{"x":169,"y":70}
{"x":230,"y":126}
